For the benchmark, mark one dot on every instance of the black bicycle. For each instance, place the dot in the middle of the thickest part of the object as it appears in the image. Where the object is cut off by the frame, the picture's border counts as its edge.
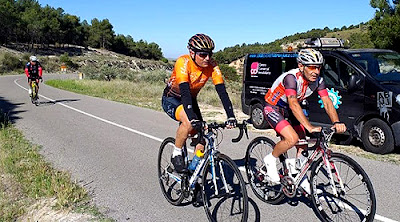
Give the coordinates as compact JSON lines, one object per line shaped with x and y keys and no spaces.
{"x":340,"y":189}
{"x":222,"y":186}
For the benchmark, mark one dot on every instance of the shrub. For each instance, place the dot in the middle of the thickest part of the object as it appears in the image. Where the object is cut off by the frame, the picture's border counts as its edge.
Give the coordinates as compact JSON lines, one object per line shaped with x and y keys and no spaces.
{"x":64,"y":58}
{"x":11,"y":63}
{"x":229,"y":73}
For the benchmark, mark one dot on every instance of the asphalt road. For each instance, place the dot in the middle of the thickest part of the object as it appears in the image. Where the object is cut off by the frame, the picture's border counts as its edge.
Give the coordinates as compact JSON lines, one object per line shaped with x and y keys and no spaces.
{"x":111,"y":149}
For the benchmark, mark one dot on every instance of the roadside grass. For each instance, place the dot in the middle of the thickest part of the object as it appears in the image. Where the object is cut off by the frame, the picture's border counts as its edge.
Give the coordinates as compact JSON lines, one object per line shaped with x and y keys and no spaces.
{"x":26,"y":178}
{"x":140,"y":93}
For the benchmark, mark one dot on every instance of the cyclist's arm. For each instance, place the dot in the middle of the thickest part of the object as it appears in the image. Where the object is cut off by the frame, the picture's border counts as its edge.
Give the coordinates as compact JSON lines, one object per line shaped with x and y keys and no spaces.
{"x":218,"y":81}
{"x":226,"y":102}
{"x":40,"y":71}
{"x":297,"y":111}
{"x":290,"y":84}
{"x":330,"y":108}
{"x":186,"y":98}
{"x":26,"y":71}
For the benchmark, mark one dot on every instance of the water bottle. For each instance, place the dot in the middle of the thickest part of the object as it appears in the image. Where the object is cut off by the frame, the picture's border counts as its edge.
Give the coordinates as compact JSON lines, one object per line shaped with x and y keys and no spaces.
{"x":196,"y":159}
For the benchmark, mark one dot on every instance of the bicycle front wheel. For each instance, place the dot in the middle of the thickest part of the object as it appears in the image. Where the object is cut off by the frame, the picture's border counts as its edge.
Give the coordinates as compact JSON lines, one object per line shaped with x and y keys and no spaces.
{"x":355,"y":199}
{"x":170,"y":181}
{"x":256,"y":151}
{"x":224,"y":193}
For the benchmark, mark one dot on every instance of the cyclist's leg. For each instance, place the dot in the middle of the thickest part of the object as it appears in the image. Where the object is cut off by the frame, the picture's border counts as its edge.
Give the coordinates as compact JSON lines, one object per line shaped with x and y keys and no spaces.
{"x":289,"y":138}
{"x":30,"y":86}
{"x":277,"y":121}
{"x":196,"y":110}
{"x":174,"y":108}
{"x":300,"y":130}
{"x":37,"y":88}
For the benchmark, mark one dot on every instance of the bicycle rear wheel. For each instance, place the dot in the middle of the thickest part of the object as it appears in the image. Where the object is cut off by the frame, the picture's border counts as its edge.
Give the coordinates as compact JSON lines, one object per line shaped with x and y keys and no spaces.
{"x":256,"y":151}
{"x":224,"y":203}
{"x":355,"y":203}
{"x":170,"y":181}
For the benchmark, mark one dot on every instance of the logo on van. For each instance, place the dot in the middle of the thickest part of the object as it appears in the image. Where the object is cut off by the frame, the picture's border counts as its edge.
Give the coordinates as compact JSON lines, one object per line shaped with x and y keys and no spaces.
{"x":254,"y":68}
{"x":259,"y":68}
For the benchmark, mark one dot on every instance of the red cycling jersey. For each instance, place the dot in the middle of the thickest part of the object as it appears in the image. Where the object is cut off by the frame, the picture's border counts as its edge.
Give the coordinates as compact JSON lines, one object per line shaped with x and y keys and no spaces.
{"x":293,"y":83}
{"x":33,"y":70}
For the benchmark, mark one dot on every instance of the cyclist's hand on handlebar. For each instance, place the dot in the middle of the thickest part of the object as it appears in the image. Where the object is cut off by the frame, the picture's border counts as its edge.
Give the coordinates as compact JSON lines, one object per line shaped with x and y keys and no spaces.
{"x":231,"y":123}
{"x":315,"y":129}
{"x":197,"y":124}
{"x":339,"y":127}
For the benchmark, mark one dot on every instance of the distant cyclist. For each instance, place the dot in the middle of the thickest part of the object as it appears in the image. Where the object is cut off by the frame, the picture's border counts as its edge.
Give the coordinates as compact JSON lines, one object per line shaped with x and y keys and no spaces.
{"x":179,"y":99}
{"x":283,"y":100}
{"x":33,"y":71}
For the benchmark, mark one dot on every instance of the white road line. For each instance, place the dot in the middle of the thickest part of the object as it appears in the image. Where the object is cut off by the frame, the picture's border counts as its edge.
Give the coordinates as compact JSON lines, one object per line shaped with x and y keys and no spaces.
{"x":96,"y":117}
{"x":242,"y":168}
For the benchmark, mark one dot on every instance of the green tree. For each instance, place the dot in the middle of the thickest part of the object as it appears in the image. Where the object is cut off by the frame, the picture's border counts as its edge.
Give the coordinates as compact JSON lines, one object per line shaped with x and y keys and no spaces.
{"x":9,"y":19}
{"x":101,"y":34}
{"x":385,"y":26}
{"x":360,"y":40}
{"x":31,"y":19}
{"x":51,"y":24}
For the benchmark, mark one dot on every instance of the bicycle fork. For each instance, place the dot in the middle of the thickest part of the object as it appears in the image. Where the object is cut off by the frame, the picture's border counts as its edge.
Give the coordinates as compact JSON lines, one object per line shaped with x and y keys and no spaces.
{"x":330,"y":169}
{"x":214,"y":175}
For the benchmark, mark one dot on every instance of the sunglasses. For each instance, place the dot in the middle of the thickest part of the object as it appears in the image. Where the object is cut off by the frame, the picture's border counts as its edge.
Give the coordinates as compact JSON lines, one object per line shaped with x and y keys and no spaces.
{"x":204,"y":55}
{"x":313,"y":67}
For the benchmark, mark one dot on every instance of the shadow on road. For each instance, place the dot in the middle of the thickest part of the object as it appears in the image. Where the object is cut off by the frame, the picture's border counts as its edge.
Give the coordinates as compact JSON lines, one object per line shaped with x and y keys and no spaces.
{"x":9,"y":109}
{"x":293,"y":202}
{"x":48,"y":103}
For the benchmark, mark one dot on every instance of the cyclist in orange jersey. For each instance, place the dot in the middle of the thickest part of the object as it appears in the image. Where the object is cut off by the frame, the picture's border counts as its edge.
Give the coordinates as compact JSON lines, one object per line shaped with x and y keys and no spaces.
{"x":179,"y":99}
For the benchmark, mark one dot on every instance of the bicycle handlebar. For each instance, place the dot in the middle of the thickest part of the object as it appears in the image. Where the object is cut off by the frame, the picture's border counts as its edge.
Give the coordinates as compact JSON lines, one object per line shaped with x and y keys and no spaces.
{"x":242,"y":128}
{"x":325,"y":135}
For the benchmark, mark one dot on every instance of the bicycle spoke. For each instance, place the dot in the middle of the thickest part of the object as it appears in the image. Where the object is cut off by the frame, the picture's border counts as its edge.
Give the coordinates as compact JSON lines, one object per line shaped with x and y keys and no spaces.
{"x":231,"y":202}
{"x":170,"y":182}
{"x":355,"y":203}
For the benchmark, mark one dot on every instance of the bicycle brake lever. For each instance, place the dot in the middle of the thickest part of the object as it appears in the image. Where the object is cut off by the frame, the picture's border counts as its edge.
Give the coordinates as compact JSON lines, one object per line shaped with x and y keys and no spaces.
{"x":242,"y":127}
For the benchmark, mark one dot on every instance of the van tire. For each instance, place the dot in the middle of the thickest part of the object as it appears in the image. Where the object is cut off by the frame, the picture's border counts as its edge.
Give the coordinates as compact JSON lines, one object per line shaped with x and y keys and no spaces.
{"x":377,"y":136}
{"x":257,"y":116}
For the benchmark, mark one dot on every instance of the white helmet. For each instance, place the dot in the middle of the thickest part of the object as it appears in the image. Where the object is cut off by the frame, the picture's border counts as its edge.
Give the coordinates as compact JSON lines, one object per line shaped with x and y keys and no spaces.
{"x":33,"y":58}
{"x":310,"y":57}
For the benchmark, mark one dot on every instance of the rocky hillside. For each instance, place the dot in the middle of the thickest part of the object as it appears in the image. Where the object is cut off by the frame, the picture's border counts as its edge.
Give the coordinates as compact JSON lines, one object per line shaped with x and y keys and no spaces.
{"x":78,"y":57}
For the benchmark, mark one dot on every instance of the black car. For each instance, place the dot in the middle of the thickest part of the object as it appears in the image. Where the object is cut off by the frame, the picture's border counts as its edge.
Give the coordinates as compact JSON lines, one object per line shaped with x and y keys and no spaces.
{"x":364,"y":85}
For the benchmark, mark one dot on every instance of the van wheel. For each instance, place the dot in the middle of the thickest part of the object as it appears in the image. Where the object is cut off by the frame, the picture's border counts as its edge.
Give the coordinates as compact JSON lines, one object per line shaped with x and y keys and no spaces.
{"x":377,"y":137}
{"x":257,"y":116}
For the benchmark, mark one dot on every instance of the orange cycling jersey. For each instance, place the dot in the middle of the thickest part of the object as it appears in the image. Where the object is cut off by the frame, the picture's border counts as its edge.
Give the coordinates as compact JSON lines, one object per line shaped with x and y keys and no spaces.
{"x":186,"y":70}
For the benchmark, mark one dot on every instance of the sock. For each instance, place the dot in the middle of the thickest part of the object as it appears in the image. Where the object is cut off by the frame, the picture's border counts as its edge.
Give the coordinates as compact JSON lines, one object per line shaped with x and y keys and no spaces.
{"x":177,"y":151}
{"x":269,"y":159}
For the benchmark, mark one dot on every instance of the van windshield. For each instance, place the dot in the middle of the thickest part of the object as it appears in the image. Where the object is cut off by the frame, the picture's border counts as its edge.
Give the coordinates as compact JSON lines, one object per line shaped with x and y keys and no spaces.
{"x":383,"y":66}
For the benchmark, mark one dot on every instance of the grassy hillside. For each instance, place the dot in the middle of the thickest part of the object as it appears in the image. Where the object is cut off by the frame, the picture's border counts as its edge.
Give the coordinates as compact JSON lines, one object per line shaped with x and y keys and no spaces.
{"x":354,"y":37}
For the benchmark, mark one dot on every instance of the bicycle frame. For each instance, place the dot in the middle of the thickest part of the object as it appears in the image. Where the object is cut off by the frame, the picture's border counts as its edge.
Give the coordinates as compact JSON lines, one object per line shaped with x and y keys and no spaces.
{"x":33,"y":86}
{"x":320,"y":150}
{"x":211,"y":151}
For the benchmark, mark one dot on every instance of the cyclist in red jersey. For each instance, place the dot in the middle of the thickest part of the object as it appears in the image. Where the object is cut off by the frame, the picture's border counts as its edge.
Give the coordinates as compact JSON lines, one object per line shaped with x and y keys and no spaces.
{"x":283,"y":100}
{"x":33,"y":70}
{"x":179,"y":99}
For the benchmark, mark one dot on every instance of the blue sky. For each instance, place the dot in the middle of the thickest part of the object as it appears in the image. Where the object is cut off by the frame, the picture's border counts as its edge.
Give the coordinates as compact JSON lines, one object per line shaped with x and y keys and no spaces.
{"x":229,"y":22}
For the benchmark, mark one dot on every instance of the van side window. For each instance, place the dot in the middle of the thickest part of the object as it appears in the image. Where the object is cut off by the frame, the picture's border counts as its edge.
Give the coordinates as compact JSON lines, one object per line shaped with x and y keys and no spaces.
{"x":345,"y":73}
{"x":330,"y":72}
{"x":337,"y":73}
